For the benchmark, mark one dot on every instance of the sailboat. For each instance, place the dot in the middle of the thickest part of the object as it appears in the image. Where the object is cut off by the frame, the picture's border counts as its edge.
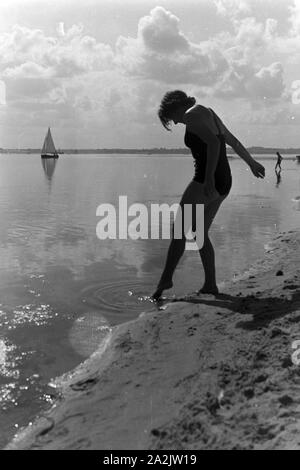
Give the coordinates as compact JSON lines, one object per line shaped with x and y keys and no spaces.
{"x":49,"y":150}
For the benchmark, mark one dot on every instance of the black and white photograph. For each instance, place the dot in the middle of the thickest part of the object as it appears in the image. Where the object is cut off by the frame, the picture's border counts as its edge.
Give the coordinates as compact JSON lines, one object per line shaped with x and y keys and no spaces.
{"x":149,"y":227}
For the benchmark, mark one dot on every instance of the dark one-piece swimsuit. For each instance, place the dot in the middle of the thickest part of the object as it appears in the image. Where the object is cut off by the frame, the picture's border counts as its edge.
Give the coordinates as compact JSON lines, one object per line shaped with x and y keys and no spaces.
{"x":223,"y":178}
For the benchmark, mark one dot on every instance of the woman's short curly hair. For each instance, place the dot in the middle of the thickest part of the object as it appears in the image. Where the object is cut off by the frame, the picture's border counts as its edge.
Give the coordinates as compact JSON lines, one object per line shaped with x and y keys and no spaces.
{"x":170,"y":102}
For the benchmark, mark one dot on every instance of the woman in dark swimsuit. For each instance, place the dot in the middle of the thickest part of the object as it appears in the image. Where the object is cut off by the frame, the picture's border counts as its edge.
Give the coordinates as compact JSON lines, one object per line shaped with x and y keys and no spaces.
{"x":206,"y":136}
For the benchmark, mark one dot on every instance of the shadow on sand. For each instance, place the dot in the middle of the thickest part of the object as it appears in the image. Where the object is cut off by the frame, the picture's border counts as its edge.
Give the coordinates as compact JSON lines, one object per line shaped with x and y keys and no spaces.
{"x":263,"y":310}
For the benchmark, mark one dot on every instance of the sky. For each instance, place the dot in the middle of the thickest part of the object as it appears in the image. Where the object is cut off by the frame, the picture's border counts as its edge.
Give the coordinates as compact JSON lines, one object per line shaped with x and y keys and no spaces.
{"x":96,"y":70}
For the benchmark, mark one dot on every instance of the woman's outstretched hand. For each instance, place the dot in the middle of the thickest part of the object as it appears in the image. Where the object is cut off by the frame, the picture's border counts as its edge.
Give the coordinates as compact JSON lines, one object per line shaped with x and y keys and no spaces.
{"x":257,"y":169}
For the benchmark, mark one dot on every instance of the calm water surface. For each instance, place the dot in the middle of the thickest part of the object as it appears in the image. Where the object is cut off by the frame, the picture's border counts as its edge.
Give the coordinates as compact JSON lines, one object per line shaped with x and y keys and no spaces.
{"x":61,"y":288}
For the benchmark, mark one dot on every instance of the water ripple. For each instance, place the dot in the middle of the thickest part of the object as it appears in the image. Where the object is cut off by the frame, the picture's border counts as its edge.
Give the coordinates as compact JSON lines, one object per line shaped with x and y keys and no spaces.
{"x":118,"y":296}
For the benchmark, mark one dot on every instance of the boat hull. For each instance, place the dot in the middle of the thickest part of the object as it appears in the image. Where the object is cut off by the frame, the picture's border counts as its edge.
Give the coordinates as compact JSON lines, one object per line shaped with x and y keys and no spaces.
{"x":49,"y":156}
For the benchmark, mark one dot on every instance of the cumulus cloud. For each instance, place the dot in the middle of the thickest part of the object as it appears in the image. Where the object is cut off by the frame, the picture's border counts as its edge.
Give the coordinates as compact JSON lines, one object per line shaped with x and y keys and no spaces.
{"x":228,"y":65}
{"x":162,"y":52}
{"x":71,"y":72}
{"x":267,"y":83}
{"x":40,"y":70}
{"x":160,"y":32}
{"x":28,"y":70}
{"x":70,"y":53}
{"x":259,"y":22}
{"x":295,"y":18}
{"x":233,"y":8}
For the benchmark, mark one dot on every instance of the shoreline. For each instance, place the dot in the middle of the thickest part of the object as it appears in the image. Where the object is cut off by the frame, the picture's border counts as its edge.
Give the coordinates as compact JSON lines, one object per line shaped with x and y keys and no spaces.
{"x":209,"y":372}
{"x":231,"y":156}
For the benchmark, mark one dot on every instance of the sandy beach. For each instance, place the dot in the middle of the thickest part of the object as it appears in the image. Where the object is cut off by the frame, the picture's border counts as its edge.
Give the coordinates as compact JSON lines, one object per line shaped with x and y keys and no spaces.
{"x":209,"y":372}
{"x":113,"y":116}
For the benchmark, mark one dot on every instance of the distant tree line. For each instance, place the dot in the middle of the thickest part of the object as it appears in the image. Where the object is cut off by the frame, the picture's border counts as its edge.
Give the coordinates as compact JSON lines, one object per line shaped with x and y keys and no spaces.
{"x":151,"y":151}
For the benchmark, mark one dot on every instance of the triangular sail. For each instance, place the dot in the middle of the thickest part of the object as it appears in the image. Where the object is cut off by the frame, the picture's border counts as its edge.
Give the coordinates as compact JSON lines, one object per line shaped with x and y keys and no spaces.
{"x":48,"y":146}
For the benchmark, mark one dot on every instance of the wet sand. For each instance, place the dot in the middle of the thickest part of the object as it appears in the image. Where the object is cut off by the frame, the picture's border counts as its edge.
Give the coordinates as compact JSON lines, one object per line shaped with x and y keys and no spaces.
{"x":206,"y":372}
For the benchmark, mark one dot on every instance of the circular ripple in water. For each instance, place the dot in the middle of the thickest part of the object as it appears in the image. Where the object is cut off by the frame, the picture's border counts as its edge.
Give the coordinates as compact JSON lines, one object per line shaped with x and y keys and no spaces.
{"x":118,"y":296}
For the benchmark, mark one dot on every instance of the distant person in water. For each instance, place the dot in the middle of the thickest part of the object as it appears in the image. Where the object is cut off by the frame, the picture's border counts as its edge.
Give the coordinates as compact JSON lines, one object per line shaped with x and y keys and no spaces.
{"x":206,"y":136}
{"x":279,"y":160}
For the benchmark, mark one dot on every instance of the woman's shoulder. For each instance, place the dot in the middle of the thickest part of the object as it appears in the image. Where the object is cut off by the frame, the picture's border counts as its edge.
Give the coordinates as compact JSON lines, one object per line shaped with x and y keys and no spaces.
{"x":196,"y":112}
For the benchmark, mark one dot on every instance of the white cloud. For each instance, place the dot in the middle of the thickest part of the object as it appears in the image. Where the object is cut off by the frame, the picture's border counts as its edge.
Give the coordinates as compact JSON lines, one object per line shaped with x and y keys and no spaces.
{"x":160,"y":32}
{"x":233,"y":8}
{"x":60,"y":29}
{"x":243,"y":82}
{"x":2,"y":93}
{"x":74,"y":78}
{"x":295,"y":18}
{"x":28,"y":70}
{"x":267,"y":83}
{"x":70,"y":53}
{"x":295,"y":92}
{"x":229,"y":65}
{"x":162,"y":52}
{"x":40,"y":72}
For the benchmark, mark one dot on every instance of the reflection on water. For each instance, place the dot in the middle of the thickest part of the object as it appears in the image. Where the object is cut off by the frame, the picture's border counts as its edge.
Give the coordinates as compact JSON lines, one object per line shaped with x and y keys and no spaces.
{"x":62,"y":288}
{"x":49,"y":165}
{"x":87,"y":333}
{"x":7,"y":363}
{"x":278,"y":176}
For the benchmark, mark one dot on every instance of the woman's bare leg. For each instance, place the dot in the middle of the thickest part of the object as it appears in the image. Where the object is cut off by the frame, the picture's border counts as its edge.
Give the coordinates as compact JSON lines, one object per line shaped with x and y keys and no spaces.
{"x":207,"y":255}
{"x":176,"y":250}
{"x":192,"y":195}
{"x":207,"y":252}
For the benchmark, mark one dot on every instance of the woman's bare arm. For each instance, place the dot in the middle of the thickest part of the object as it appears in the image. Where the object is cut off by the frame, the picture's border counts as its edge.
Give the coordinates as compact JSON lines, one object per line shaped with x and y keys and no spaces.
{"x":234,"y":143}
{"x":257,"y":169}
{"x":238,"y":147}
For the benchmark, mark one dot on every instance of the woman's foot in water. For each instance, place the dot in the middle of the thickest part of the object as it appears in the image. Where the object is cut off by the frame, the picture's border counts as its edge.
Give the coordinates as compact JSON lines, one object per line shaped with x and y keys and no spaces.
{"x":160,"y":288}
{"x":208,"y":289}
